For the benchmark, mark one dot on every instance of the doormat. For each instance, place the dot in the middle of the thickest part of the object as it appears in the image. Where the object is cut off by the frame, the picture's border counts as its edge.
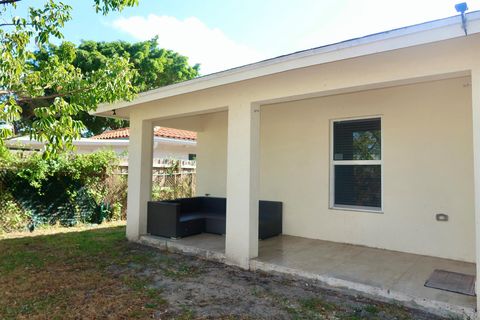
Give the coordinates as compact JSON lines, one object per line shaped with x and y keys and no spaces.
{"x":452,"y":281}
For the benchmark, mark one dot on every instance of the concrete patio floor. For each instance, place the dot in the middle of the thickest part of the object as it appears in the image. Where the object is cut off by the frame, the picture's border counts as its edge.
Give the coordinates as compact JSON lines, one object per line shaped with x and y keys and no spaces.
{"x":375,"y":272}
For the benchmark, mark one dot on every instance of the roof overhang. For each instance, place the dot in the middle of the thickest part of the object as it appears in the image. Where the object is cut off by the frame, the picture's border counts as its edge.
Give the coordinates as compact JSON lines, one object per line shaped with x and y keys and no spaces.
{"x":428,"y":32}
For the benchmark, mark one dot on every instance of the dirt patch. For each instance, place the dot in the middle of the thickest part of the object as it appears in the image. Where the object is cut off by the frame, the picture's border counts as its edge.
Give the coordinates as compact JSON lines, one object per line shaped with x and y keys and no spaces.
{"x":97,"y":274}
{"x":195,"y":288}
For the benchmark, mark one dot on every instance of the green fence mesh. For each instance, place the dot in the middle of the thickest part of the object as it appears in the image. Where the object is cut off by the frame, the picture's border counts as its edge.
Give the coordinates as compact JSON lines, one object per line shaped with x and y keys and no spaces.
{"x":60,"y":200}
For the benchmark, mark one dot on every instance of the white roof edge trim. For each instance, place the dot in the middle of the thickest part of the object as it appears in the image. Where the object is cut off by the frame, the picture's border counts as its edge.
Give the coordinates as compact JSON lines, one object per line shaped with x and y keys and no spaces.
{"x":175,"y":141}
{"x":98,"y":142}
{"x":241,"y":73}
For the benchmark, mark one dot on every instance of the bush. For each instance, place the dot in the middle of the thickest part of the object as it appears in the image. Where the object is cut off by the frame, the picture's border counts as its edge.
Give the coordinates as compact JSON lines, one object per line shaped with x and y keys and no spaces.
{"x":67,"y":189}
{"x":73,"y":188}
{"x":172,"y":184}
{"x":12,"y":216}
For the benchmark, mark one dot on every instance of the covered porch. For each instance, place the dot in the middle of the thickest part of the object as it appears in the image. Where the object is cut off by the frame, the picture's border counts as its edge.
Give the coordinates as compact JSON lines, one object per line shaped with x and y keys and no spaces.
{"x":265,"y":133}
{"x":390,"y":275}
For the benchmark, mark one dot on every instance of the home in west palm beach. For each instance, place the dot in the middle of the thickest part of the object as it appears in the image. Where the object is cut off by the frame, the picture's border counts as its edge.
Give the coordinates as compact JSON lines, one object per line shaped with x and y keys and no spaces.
{"x":371,"y":145}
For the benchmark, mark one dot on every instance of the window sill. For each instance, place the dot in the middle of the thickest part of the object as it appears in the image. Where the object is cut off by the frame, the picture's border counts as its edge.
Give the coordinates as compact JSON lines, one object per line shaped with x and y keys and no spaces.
{"x":355,"y":208}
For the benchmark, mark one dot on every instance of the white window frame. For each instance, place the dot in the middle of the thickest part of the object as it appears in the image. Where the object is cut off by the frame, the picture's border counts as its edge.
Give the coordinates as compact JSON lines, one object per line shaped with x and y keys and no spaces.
{"x":333,"y":163}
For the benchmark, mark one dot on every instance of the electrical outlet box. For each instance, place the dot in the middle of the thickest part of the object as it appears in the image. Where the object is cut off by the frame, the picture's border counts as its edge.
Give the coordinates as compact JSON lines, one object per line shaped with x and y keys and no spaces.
{"x":441,"y":217}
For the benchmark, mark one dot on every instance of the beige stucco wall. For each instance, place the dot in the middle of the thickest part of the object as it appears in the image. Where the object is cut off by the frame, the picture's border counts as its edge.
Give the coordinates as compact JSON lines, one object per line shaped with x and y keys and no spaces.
{"x":160,"y":150}
{"x":428,"y":167}
{"x":212,"y":156}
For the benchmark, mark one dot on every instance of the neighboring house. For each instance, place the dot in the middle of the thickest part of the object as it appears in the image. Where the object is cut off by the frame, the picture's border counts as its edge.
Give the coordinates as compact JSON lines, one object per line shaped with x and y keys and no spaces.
{"x":168,"y":143}
{"x":372,"y":142}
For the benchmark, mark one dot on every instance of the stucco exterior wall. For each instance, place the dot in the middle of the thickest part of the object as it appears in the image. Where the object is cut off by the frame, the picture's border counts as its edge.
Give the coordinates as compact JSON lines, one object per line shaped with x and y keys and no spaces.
{"x":212,"y":156}
{"x":428,"y":167}
{"x":120,"y":150}
{"x":160,"y":150}
{"x":179,"y":152}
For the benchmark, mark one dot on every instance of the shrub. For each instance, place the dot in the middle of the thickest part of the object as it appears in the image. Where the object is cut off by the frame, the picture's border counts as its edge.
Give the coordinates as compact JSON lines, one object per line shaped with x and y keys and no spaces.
{"x":67,"y":189}
{"x":73,"y":188}
{"x":12,"y":216}
{"x":172,"y":184}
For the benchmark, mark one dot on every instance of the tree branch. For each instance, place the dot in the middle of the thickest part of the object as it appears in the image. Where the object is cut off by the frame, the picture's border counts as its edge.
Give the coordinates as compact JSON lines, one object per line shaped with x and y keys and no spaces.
{"x":13,"y":24}
{"x":21,"y":98}
{"x":10,"y":92}
{"x":8,"y":1}
{"x":53,"y":96}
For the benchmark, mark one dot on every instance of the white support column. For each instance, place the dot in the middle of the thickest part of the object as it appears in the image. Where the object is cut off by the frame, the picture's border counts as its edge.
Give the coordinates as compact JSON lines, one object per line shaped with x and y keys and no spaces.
{"x":140,"y":150}
{"x":242,"y":184}
{"x":476,"y":169}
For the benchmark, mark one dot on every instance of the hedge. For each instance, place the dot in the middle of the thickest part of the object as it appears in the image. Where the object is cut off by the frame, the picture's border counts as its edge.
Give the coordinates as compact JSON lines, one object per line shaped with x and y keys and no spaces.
{"x":66,"y":190}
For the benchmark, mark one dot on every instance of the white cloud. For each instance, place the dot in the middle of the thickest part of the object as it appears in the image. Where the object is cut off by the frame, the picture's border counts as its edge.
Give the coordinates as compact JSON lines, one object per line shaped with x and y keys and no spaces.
{"x":213,"y":49}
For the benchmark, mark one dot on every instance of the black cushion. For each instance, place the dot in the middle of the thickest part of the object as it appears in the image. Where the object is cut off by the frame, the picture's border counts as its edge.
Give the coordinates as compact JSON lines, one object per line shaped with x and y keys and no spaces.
{"x":205,"y":214}
{"x":191,"y":216}
{"x":200,"y":215}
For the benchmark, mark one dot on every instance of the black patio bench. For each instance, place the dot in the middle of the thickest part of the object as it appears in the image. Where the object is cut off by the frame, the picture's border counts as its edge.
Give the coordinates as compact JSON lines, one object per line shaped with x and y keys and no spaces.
{"x":188,"y":216}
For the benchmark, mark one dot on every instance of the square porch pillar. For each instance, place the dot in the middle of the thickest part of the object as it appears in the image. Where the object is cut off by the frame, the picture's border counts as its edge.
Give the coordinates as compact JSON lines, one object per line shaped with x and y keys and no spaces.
{"x":242,"y":184}
{"x":476,"y":169}
{"x":140,"y":158}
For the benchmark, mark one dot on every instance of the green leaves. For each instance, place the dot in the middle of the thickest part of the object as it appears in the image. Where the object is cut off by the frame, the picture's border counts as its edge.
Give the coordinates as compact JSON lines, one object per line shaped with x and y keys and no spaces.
{"x":44,"y":86}
{"x":150,"y":66}
{"x":35,"y":170}
{"x":52,"y":89}
{"x":47,"y":21}
{"x":105,"y":6}
{"x":155,"y":67}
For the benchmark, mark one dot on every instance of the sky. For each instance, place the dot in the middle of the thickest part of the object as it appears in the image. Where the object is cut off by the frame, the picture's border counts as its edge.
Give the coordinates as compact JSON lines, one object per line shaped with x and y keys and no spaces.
{"x":222,"y":34}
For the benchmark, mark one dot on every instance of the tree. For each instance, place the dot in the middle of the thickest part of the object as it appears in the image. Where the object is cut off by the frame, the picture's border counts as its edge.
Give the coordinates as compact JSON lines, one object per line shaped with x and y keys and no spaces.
{"x":53,"y":90}
{"x":153,"y":67}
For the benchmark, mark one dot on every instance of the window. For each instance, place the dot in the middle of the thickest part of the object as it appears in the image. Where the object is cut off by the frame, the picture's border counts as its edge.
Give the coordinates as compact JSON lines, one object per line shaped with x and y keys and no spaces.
{"x":356,"y":164}
{"x":192,"y":156}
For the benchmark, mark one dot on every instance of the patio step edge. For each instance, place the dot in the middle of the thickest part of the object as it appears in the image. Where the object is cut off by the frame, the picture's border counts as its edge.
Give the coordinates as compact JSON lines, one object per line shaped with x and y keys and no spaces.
{"x":171,"y":246}
{"x":432,"y":306}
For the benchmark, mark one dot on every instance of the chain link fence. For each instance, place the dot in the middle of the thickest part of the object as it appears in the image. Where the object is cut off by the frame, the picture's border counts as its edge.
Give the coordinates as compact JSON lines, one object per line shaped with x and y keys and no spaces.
{"x":61,"y":200}
{"x":68,"y":201}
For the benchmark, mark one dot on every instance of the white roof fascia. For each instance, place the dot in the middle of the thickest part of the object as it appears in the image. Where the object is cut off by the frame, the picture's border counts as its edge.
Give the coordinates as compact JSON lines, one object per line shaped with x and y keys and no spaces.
{"x":428,"y":32}
{"x":100,"y":142}
{"x":25,"y":141}
{"x":175,"y":141}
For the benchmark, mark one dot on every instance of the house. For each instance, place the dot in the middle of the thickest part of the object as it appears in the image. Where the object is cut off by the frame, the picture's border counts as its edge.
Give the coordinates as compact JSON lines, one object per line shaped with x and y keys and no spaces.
{"x":372,"y":145}
{"x":168,"y":143}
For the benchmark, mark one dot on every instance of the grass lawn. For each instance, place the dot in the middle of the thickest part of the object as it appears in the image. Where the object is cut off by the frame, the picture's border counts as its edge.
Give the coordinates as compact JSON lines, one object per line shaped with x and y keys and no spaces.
{"x":67,"y":275}
{"x":97,"y":274}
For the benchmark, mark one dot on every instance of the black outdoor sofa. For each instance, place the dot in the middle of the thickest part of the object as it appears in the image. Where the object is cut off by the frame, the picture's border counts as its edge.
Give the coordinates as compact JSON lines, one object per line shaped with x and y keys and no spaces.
{"x":188,"y":216}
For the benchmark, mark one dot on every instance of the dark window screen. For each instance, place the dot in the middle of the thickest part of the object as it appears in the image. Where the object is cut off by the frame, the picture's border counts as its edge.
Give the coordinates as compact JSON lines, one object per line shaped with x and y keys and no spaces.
{"x":357,"y":140}
{"x":358,"y":185}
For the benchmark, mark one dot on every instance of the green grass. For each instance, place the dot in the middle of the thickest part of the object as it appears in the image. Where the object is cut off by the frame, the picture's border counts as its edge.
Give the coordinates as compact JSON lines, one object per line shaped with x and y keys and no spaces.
{"x":180,"y":270}
{"x":68,"y":275}
{"x":98,"y":274}
{"x":320,"y":308}
{"x":317,"y":305}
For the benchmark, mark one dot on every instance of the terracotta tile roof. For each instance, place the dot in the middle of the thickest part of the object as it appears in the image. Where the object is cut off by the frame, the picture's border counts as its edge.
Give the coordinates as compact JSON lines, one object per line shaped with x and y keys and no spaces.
{"x":124,"y":133}
{"x":174,"y":133}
